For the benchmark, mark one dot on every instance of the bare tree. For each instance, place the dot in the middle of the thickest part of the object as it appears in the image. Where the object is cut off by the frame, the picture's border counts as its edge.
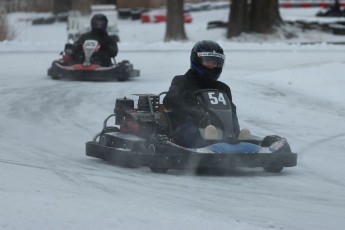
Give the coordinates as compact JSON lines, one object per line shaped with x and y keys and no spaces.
{"x":82,"y":5}
{"x":26,"y":5}
{"x":264,"y":15}
{"x":175,"y":25}
{"x":3,"y":26}
{"x":40,"y":5}
{"x":253,"y":16}
{"x":62,"y":5}
{"x":5,"y":32}
{"x":238,"y":18}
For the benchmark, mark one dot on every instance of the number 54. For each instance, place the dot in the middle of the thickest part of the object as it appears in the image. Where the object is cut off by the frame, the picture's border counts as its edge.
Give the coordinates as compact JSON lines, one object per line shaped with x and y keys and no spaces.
{"x":214,"y":100}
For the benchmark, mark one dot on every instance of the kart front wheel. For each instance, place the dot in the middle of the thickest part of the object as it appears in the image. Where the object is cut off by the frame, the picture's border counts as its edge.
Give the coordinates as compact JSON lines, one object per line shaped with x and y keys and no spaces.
{"x":123,"y":77}
{"x":272,"y":167}
{"x":156,"y":165}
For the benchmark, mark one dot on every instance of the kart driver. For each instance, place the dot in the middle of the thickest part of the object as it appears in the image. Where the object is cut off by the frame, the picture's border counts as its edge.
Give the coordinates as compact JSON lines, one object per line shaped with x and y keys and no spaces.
{"x":207,"y":60}
{"x":108,"y":45}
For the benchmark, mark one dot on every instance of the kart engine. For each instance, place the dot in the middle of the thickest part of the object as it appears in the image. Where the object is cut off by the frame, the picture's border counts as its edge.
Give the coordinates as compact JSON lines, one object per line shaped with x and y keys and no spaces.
{"x":141,"y":120}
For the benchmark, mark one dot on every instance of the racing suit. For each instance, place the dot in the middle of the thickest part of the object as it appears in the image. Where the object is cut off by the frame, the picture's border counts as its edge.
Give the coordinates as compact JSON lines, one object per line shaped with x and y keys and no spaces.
{"x":108,"y":48}
{"x":185,"y":111}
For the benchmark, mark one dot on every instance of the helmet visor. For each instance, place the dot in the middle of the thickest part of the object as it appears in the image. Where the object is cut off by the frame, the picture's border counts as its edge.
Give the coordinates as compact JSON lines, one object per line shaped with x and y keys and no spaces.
{"x":211,"y":59}
{"x":99,"y":24}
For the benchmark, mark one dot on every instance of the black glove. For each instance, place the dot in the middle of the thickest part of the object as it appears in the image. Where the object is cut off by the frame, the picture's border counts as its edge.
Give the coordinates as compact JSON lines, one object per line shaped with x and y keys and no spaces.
{"x":69,"y":49}
{"x":104,"y":45}
{"x":190,"y":99}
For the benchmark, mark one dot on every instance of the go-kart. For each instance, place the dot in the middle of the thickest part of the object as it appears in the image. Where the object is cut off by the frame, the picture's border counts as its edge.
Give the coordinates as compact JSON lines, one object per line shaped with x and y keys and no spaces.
{"x":142,"y":136}
{"x":91,"y":68}
{"x":334,"y":10}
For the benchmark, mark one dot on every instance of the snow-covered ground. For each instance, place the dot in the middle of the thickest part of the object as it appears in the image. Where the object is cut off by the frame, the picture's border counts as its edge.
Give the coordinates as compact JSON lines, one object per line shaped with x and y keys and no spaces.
{"x":47,"y":182}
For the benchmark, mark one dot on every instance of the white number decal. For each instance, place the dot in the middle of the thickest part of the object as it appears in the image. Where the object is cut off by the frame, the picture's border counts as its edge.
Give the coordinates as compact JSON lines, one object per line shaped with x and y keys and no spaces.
{"x":91,"y":44}
{"x":221,"y":98}
{"x":214,"y":100}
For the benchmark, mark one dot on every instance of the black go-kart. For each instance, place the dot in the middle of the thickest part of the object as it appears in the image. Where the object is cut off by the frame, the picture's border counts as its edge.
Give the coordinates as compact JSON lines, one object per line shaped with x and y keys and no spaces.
{"x":91,"y":69}
{"x":142,"y":136}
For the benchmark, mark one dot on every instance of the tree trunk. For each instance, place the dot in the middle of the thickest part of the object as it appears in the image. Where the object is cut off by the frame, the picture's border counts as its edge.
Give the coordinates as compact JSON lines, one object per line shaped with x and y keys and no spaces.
{"x":82,"y":5}
{"x":175,"y":25}
{"x":62,"y":6}
{"x":258,"y":16}
{"x":264,"y":15}
{"x":238,"y":18}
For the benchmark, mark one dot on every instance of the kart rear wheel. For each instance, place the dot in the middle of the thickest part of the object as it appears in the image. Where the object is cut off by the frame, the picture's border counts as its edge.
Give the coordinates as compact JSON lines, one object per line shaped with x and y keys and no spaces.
{"x":125,"y":71}
{"x":155,"y":165}
{"x":273,"y":167}
{"x":123,"y":77}
{"x":105,"y":141}
{"x":53,"y":73}
{"x":132,"y":162}
{"x":56,"y":77}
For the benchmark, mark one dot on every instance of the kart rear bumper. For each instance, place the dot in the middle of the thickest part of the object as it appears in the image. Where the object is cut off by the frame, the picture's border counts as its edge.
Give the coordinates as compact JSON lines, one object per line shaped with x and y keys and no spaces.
{"x":182,"y":160}
{"x":122,"y":71}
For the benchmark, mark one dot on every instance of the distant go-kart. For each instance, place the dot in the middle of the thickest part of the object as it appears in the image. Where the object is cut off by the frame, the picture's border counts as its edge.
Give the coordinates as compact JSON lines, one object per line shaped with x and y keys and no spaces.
{"x":142,"y":136}
{"x":91,"y":68}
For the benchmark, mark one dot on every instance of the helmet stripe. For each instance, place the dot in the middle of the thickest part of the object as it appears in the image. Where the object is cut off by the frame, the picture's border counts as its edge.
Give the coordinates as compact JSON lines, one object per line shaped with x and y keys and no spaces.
{"x":197,"y":68}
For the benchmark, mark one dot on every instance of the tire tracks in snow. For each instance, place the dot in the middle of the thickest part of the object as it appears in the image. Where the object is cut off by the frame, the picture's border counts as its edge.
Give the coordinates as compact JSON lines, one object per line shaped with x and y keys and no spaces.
{"x":309,"y":147}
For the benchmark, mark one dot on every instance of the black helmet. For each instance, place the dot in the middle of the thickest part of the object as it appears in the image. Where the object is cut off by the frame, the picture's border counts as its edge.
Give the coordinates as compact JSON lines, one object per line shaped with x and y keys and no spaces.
{"x":207,"y":59}
{"x":99,"y":22}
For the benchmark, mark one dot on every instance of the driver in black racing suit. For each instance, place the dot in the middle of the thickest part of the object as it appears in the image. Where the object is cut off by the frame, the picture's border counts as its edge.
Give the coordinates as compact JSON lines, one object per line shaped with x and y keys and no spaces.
{"x":108,"y":45}
{"x":207,"y":60}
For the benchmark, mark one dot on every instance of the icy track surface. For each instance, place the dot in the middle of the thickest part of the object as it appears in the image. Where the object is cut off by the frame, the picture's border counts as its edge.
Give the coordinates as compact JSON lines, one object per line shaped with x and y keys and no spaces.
{"x":47,"y":181}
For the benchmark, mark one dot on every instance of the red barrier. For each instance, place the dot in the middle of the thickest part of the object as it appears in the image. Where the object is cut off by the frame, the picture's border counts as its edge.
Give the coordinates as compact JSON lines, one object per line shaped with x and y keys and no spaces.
{"x":286,"y":5}
{"x":305,"y":4}
{"x":159,"y":18}
{"x":145,"y":18}
{"x":187,"y":18}
{"x":323,"y":4}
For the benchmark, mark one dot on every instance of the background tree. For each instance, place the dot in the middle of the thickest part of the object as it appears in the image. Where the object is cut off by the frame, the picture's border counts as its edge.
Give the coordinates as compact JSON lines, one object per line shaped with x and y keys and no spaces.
{"x":62,"y":6}
{"x":238,"y":18}
{"x":3,"y":25}
{"x":175,"y":25}
{"x":258,"y":16}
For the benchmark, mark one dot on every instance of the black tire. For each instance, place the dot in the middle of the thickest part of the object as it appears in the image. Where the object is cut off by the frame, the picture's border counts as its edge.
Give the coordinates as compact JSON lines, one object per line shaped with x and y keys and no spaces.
{"x":124,"y":77}
{"x":56,"y":78}
{"x":132,"y":162}
{"x":103,"y":140}
{"x":155,"y":166}
{"x":268,"y":140}
{"x":273,"y":167}
{"x":54,"y":75}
